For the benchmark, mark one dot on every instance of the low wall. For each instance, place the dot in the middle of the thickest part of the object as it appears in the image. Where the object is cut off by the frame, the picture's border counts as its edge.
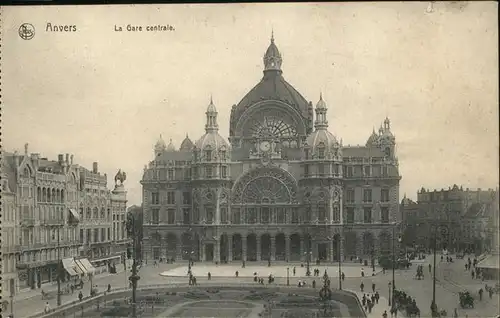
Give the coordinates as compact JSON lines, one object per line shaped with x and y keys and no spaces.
{"x":347,"y":298}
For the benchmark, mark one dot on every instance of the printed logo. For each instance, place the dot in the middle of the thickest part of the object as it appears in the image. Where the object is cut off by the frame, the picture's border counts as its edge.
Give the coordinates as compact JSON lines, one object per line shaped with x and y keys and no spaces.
{"x":26,"y":31}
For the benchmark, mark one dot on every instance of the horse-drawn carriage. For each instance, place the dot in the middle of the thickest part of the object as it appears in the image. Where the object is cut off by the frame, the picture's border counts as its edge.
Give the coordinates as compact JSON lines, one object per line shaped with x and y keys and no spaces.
{"x":466,"y":300}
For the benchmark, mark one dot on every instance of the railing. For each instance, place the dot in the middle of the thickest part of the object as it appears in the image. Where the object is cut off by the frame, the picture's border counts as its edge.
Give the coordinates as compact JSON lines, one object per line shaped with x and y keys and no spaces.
{"x":53,"y":222}
{"x":97,"y":299}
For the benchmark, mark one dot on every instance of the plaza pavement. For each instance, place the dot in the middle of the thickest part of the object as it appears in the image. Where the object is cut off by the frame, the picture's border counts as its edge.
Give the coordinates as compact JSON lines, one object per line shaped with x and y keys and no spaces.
{"x":420,"y":290}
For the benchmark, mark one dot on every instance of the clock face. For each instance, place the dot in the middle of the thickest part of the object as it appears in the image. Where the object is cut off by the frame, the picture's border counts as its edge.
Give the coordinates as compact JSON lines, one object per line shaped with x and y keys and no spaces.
{"x":265,"y":146}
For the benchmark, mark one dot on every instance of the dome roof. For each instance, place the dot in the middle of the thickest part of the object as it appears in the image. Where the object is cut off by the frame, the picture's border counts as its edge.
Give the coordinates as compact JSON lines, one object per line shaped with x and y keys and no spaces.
{"x":171,"y":146}
{"x":212,"y":139}
{"x":187,"y":144}
{"x":160,"y":144}
{"x":372,"y":139}
{"x":321,"y":103}
{"x":322,"y":138}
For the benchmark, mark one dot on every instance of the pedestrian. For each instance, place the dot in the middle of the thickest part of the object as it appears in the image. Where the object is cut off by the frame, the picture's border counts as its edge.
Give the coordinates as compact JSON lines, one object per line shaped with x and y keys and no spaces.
{"x":343,"y":276}
{"x":480,"y":294}
{"x":209,"y":276}
{"x":490,"y":292}
{"x":80,"y":296}
{"x":384,"y":315}
{"x":455,"y":313}
{"x":370,"y":306}
{"x":237,"y":273}
{"x":430,"y":268}
{"x":373,"y":287}
{"x":47,"y":307}
{"x":472,"y":273}
{"x":362,"y":272}
{"x":362,"y":286}
{"x":314,"y":284}
{"x":377,"y":296}
{"x":293,"y":271}
{"x":363,"y":300}
{"x":109,"y":288}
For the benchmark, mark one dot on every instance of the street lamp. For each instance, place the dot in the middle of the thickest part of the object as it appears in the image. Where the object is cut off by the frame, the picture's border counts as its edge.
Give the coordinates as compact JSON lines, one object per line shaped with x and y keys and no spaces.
{"x":308,"y":269}
{"x":133,"y":232}
{"x":288,"y":276}
{"x":390,"y":293}
{"x":58,"y":267}
{"x":444,"y":231}
{"x":393,"y":261}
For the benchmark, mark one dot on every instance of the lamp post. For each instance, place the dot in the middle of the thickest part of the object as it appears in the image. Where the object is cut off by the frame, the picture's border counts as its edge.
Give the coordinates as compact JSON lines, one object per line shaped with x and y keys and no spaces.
{"x":390,"y":293}
{"x":288,"y":276}
{"x":58,"y":270}
{"x":444,"y":231}
{"x":132,"y":231}
{"x":394,"y":260}
{"x":308,"y":269}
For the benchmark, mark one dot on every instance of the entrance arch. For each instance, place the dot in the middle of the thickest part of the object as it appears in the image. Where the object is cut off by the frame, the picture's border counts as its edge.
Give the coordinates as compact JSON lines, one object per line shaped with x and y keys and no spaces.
{"x":350,"y":244}
{"x":295,"y":247}
{"x":265,"y":247}
{"x":171,"y":252}
{"x":237,"y":247}
{"x":385,"y":242}
{"x":252,"y":247}
{"x":280,"y":242}
{"x":224,"y":248}
{"x":368,"y":243}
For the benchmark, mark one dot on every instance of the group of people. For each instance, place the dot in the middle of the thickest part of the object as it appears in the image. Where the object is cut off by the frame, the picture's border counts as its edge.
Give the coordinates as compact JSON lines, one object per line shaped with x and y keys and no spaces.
{"x":472,"y":267}
{"x":403,"y":301}
{"x":369,"y":300}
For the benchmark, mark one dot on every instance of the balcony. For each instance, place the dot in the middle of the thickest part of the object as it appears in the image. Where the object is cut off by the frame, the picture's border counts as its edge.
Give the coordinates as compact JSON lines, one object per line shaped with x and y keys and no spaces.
{"x":28,"y":222}
{"x":53,"y":222}
{"x":11,"y":249}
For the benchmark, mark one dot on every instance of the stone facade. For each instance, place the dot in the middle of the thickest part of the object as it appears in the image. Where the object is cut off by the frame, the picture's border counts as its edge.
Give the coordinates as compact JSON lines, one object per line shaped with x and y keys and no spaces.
{"x":282,"y":188}
{"x":57,"y":204}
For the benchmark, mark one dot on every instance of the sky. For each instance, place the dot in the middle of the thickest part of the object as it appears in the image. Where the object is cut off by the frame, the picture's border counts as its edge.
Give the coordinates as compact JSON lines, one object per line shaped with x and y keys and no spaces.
{"x":106,"y":96}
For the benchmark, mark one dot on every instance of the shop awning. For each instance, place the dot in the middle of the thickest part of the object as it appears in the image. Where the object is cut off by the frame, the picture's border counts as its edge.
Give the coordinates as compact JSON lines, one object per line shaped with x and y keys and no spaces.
{"x":86,"y":264}
{"x":74,"y":214}
{"x":491,"y":262}
{"x":70,"y":266}
{"x":80,"y":266}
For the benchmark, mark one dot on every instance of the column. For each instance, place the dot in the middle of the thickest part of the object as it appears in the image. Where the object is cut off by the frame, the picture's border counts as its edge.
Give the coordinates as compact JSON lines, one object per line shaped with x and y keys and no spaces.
{"x":178,"y":249}
{"x":229,"y":248}
{"x":273,"y":248}
{"x":331,"y":251}
{"x":287,"y":247}
{"x":314,"y":251}
{"x":376,"y":245}
{"x":244,"y":247}
{"x":359,"y":244}
{"x":202,"y":252}
{"x":330,"y":205}
{"x":302,"y":250}
{"x":217,"y":208}
{"x":259,"y":251}
{"x":217,"y":251}
{"x":342,"y":244}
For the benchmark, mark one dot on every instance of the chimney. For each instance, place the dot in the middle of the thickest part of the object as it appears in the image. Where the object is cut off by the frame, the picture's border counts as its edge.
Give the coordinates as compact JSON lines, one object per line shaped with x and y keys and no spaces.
{"x":67,"y":158}
{"x":95,"y":167}
{"x":60,"y":158}
{"x":71,"y":161}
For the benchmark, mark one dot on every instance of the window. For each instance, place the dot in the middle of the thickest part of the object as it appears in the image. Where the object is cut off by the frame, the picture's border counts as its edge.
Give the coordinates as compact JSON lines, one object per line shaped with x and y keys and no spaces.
{"x":185,"y":216}
{"x":264,"y":215}
{"x":210,"y":215}
{"x":384,"y":214}
{"x":321,"y":153}
{"x":195,"y":172}
{"x":321,"y":169}
{"x":81,"y":213}
{"x":367,"y":215}
{"x":295,"y":216}
{"x":350,"y":215}
{"x":81,"y":236}
{"x":223,"y":215}
{"x":170,"y":197}
{"x":208,"y":172}
{"x":224,"y":171}
{"x":103,"y":234}
{"x":109,"y":234}
{"x":321,"y":212}
{"x":223,"y":155}
{"x":155,"y":216}
{"x":385,"y":171}
{"x":336,"y":170}
{"x":367,"y":171}
{"x":349,"y":196}
{"x":384,"y":195}
{"x":89,"y":236}
{"x":186,"y":198}
{"x":171,"y":216}
{"x":306,"y":170}
{"x":155,"y":198}
{"x":236,"y":217}
{"x":348,"y":171}
{"x":281,"y":215}
{"x":251,"y":216}
{"x":307,"y":154}
{"x":367,"y":195}
{"x":208,"y":155}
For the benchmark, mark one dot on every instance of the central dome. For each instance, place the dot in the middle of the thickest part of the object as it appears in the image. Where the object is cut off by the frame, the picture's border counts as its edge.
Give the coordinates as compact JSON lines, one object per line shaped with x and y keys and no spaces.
{"x":272,"y":86}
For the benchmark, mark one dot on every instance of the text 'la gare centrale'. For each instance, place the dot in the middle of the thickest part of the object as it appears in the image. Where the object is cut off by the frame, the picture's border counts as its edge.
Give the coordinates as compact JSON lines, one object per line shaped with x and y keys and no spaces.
{"x":140,"y":28}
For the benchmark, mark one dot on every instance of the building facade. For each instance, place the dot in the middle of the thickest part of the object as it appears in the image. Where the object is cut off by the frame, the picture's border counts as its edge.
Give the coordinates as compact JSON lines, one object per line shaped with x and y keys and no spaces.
{"x":282,"y":188}
{"x":10,"y":234}
{"x":49,"y":220}
{"x":459,"y":218}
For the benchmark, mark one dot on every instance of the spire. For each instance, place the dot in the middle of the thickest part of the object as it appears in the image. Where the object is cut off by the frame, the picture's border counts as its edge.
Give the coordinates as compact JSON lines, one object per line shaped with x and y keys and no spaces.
{"x":211,"y":113}
{"x":272,"y":58}
{"x":321,"y":108}
{"x":171,"y":146}
{"x":387,"y":124}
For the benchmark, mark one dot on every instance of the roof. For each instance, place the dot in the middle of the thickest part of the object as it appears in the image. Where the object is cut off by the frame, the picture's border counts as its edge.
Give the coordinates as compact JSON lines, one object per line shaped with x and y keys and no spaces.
{"x":361,"y":151}
{"x":9,"y":170}
{"x":492,"y":261}
{"x":273,"y":87}
{"x":187,"y":144}
{"x":476,"y":210}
